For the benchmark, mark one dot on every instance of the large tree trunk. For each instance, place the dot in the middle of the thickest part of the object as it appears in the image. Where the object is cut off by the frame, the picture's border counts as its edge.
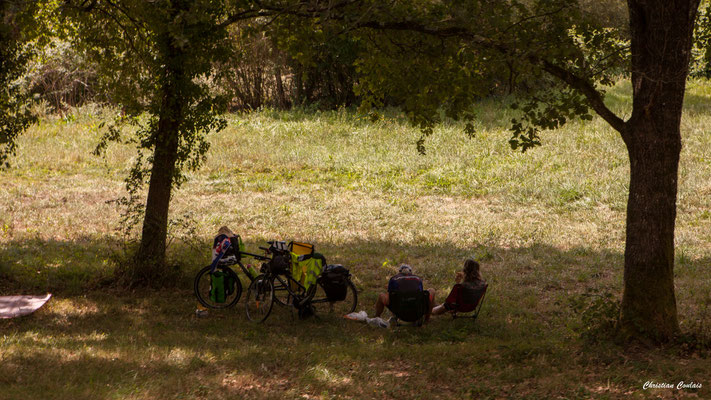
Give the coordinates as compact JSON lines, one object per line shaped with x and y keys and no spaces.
{"x":151,"y":253}
{"x":648,"y":302}
{"x":661,"y":42}
{"x":150,"y":258}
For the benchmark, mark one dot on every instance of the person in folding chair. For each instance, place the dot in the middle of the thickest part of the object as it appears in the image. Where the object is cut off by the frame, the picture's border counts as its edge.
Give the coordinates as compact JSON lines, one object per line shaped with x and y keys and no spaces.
{"x":406,"y":298}
{"x":466,"y":294}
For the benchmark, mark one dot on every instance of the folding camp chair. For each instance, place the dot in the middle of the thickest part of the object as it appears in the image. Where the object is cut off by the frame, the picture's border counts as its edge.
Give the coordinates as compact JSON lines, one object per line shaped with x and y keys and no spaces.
{"x":470,"y":297}
{"x":409,"y":306}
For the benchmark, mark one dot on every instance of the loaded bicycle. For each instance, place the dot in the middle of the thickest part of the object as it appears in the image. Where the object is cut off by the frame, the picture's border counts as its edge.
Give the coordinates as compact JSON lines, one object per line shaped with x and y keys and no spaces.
{"x":290,"y":274}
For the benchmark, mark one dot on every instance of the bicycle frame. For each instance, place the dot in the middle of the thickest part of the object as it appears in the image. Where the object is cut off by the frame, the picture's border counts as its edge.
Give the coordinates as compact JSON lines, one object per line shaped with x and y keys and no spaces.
{"x":288,"y":284}
{"x":238,"y":261}
{"x":284,"y":284}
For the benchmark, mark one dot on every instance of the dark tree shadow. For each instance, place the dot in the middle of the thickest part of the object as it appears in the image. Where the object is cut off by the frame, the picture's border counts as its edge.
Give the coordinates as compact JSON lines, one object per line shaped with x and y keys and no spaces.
{"x":104,"y":343}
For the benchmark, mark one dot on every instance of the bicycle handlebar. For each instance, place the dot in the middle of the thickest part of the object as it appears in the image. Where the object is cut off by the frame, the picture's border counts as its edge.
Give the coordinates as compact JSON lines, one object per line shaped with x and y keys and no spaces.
{"x":255,"y":256}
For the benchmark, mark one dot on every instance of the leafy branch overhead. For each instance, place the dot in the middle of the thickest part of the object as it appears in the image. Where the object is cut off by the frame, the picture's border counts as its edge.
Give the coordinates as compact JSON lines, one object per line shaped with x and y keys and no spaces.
{"x":443,"y":56}
{"x":20,"y":34}
{"x":130,"y":42}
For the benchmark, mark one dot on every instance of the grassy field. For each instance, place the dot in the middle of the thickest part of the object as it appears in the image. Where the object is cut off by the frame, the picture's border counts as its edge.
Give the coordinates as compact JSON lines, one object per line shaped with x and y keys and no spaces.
{"x":548,"y":227}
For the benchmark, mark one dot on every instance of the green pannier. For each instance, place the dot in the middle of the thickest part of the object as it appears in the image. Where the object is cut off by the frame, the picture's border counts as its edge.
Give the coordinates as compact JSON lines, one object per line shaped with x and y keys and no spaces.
{"x":217,"y":286}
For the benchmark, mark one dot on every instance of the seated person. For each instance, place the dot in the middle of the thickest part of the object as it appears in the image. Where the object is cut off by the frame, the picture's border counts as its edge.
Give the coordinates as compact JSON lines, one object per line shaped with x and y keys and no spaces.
{"x":470,"y":286}
{"x":404,"y":281}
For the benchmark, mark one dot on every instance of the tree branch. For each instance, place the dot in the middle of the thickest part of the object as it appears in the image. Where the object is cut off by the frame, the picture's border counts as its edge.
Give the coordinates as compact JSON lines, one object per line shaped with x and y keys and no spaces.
{"x":587,"y":89}
{"x":591,"y":94}
{"x":302,"y":8}
{"x":246,"y":14}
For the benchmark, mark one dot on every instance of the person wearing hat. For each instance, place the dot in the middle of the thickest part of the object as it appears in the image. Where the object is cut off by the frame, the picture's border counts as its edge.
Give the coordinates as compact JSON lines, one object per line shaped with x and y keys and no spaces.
{"x":404,"y":281}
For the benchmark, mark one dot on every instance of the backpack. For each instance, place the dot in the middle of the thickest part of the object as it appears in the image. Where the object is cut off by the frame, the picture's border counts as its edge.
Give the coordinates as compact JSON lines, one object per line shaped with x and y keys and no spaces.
{"x":334,"y":281}
{"x":307,"y":268}
{"x":227,"y":249}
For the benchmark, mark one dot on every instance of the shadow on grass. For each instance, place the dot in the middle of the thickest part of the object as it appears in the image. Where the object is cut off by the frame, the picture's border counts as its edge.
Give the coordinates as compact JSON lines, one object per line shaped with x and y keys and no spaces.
{"x":75,"y":267}
{"x":532,"y":279}
{"x":152,"y":347}
{"x":72,"y":267}
{"x":32,"y":265}
{"x":108,"y":344}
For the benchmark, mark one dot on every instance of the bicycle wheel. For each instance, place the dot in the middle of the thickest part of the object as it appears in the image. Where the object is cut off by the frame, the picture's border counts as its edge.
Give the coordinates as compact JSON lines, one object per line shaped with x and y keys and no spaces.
{"x":338,"y":308}
{"x":260,"y":298}
{"x":203,"y":287}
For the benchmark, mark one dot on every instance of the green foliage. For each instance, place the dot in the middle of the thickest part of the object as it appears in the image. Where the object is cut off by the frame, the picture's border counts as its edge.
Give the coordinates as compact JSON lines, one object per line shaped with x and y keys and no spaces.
{"x":435,"y":59}
{"x":255,"y":75}
{"x":155,"y":59}
{"x":608,"y":13}
{"x":17,"y":30}
{"x":321,"y":59}
{"x":549,"y":109}
{"x":599,"y":311}
{"x":701,"y":51}
{"x":133,"y":47}
{"x":62,"y":77}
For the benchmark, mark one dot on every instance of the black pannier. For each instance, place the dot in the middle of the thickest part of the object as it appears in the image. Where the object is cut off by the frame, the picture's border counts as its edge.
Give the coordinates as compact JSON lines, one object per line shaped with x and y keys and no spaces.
{"x":279,"y":264}
{"x":334,"y":281}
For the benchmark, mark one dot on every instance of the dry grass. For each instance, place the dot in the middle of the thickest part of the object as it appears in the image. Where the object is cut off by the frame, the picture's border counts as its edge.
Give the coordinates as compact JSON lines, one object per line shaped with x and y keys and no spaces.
{"x":548,"y":225}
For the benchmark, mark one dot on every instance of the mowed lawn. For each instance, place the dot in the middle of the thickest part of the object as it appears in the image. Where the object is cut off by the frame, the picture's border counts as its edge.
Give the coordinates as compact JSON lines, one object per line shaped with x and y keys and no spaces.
{"x":548,"y":227}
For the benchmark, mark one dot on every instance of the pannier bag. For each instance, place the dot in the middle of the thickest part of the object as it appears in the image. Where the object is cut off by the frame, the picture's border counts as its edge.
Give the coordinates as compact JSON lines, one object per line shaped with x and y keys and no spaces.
{"x":229,"y":284}
{"x":304,"y":268}
{"x":307,"y":268}
{"x":217,"y":287}
{"x":226,"y":249}
{"x":222,"y":284}
{"x":334,"y":281}
{"x":300,"y":248}
{"x":279,"y":264}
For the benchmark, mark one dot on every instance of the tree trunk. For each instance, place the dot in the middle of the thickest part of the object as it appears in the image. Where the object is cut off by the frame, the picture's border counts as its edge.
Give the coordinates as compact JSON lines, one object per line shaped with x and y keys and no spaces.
{"x":281,"y":96}
{"x":150,"y":258}
{"x":151,"y":253}
{"x":648,"y":302}
{"x":661,"y":42}
{"x":298,"y":86}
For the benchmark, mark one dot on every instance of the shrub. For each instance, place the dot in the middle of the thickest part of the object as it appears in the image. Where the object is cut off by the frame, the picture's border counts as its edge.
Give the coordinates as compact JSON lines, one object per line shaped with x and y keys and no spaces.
{"x":63,"y":77}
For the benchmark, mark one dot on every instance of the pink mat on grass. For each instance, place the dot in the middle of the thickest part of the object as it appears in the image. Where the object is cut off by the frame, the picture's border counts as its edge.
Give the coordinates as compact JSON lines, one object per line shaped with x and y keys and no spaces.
{"x":17,"y":306}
